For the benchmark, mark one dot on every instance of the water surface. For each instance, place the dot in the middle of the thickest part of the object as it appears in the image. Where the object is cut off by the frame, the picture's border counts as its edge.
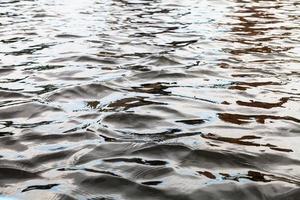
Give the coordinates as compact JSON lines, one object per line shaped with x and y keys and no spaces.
{"x":141,"y":99}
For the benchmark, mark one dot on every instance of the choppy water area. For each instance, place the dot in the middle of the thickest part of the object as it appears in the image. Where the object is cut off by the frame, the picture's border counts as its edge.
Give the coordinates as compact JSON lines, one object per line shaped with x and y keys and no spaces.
{"x":140,"y":99}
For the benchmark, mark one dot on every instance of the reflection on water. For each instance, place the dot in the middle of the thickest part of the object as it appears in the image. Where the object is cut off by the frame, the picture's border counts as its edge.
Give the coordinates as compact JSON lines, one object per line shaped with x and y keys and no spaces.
{"x":136,"y":99}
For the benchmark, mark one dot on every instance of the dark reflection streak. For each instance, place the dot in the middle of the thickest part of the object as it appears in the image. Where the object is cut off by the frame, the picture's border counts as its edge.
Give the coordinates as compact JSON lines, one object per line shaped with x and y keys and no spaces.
{"x":258,"y":177}
{"x":146,"y":138}
{"x":137,"y":160}
{"x":30,"y":50}
{"x":39,"y":187}
{"x":160,"y":88}
{"x":128,"y":103}
{"x":152,"y":183}
{"x":192,"y":121}
{"x":155,"y":137}
{"x":250,"y":175}
{"x":207,"y":174}
{"x":264,"y":105}
{"x":243,"y":119}
{"x":9,"y":89}
{"x":88,"y":170}
{"x":241,"y":141}
{"x":13,"y":80}
{"x":28,"y":125}
{"x":2,"y":134}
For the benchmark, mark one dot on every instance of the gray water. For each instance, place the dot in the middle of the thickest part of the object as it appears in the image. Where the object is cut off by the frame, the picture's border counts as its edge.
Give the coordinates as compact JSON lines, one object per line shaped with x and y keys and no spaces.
{"x":141,"y":99}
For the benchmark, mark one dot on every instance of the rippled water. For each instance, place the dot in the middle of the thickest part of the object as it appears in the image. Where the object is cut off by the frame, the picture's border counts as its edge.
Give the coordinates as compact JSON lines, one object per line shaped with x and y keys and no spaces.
{"x":140,"y":99}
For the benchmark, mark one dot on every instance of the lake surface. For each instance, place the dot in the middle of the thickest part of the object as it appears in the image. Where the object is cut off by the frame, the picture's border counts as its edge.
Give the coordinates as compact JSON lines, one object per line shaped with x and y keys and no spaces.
{"x":152,"y":100}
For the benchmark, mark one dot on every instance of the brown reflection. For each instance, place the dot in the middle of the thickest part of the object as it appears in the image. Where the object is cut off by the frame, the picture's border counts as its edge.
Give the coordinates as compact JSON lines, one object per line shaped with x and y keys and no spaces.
{"x":152,"y":88}
{"x":251,"y":23}
{"x":128,"y":103}
{"x":207,"y":174}
{"x":257,"y":177}
{"x":233,"y":140}
{"x":251,"y":175}
{"x":241,"y":141}
{"x":256,"y":35}
{"x":281,"y":149}
{"x":246,"y":85}
{"x":263,"y":49}
{"x":257,"y":84}
{"x":244,"y":119}
{"x":93,"y":104}
{"x":265,"y":105}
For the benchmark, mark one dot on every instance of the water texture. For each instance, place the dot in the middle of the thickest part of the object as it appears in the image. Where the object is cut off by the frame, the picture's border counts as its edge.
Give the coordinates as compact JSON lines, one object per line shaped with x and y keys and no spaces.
{"x":150,"y":99}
